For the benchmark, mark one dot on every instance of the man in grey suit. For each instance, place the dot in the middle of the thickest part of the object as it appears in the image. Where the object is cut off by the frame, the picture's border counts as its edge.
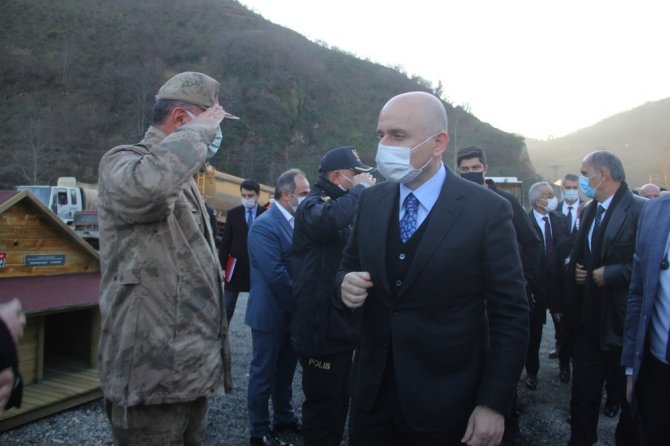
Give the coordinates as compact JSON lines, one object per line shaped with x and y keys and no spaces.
{"x":433,"y":265}
{"x":273,"y":359}
{"x":646,"y":353}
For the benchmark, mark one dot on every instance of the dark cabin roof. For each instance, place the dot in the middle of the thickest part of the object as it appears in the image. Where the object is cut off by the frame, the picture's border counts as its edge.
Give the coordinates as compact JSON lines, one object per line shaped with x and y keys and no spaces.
{"x":41,"y":293}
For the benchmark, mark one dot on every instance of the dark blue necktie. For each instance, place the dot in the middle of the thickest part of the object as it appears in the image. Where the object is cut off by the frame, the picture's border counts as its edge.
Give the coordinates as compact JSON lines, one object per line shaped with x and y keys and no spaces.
{"x":250,"y":217}
{"x":596,"y":223}
{"x":549,"y":243}
{"x":408,"y":221}
{"x":570,"y":219}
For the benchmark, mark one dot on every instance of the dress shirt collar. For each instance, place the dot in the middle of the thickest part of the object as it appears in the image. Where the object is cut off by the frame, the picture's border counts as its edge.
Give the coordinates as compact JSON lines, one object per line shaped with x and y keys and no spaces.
{"x":606,"y":204}
{"x":287,"y":215}
{"x":428,"y":192}
{"x":540,"y":218}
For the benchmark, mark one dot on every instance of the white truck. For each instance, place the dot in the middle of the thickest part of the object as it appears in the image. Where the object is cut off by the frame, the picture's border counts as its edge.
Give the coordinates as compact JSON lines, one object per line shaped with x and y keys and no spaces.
{"x":66,"y":198}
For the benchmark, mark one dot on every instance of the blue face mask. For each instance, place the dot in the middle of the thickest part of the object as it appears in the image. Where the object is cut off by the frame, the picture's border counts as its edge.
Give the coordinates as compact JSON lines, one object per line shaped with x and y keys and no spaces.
{"x":216,"y":142}
{"x":585,"y":187}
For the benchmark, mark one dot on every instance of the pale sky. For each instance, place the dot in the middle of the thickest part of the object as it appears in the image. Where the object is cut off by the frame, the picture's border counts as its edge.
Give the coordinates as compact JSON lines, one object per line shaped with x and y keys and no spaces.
{"x":532,"y":67}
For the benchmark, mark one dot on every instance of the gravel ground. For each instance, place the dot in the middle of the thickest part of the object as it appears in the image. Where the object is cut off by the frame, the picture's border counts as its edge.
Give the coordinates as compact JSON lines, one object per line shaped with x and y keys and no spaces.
{"x":543,"y":422}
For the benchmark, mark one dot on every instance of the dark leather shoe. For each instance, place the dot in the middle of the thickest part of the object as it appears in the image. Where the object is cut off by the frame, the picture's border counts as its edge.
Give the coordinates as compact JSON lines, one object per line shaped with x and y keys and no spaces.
{"x":267,"y":440}
{"x":553,"y":354}
{"x":531,"y":382}
{"x":294,"y":427}
{"x":611,"y":409}
{"x":564,"y":374}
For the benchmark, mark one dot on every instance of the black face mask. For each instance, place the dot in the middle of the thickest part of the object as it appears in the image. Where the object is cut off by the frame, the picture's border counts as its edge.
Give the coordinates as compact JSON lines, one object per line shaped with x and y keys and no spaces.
{"x":475,"y":177}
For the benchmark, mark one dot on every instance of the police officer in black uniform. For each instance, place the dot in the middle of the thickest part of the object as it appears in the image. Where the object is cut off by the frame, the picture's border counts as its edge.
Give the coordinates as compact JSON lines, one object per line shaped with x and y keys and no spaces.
{"x":323,"y":336}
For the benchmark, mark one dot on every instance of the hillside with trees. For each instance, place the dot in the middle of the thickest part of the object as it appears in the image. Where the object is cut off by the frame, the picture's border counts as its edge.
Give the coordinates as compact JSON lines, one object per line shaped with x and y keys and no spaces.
{"x":79,"y":77}
{"x":640,"y":137}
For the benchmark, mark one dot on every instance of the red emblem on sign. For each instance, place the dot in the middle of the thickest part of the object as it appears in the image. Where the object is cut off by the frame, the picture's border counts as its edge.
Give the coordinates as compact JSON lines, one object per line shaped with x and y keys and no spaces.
{"x":3,"y":257}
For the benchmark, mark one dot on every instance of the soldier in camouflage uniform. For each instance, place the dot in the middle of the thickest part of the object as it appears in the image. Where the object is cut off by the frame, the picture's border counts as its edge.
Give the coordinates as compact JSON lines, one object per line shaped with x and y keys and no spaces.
{"x":164,"y":343}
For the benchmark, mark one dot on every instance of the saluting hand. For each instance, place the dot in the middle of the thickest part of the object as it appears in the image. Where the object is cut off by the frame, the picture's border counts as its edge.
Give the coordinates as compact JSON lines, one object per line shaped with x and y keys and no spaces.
{"x":211,"y":117}
{"x":354,"y":288}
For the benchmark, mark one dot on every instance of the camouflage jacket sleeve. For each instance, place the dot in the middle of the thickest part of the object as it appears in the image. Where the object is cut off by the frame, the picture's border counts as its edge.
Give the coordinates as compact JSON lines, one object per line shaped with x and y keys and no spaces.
{"x":141,"y":183}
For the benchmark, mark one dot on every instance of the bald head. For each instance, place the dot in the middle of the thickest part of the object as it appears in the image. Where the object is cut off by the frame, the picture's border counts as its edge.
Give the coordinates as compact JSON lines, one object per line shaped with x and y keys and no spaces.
{"x":650,"y":191}
{"x":419,"y":110}
{"x":417,"y":122}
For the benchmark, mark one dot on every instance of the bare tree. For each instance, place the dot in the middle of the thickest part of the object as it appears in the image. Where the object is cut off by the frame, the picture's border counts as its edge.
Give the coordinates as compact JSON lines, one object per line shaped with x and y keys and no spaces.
{"x":33,"y":155}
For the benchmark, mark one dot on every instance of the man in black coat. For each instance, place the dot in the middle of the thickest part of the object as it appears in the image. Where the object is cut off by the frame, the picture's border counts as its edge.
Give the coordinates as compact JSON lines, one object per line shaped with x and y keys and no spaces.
{"x":552,"y":227}
{"x":323,"y":336}
{"x":598,"y":279}
{"x":472,"y":166}
{"x":233,"y":253}
{"x":433,"y":265}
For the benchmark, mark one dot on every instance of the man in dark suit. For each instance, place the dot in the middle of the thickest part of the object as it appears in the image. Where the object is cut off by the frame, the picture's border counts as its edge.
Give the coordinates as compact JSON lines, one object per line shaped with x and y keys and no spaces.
{"x":571,"y":201}
{"x":646,"y":351}
{"x":233,"y":253}
{"x":273,"y":360}
{"x":472,"y":166}
{"x":552,"y":227}
{"x":598,"y":280}
{"x":569,"y":207}
{"x":433,"y":265}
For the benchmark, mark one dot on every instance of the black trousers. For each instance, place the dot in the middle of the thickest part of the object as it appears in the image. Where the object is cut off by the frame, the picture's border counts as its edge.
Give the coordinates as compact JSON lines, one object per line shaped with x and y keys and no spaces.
{"x":590,"y":365}
{"x":537,"y":319}
{"x":325,"y":383}
{"x":385,"y":424}
{"x":652,"y":396}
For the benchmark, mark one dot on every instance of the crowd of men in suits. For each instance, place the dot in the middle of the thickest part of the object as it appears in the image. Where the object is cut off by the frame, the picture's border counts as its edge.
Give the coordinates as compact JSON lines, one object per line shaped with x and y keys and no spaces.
{"x":438,"y":280}
{"x":576,"y":262}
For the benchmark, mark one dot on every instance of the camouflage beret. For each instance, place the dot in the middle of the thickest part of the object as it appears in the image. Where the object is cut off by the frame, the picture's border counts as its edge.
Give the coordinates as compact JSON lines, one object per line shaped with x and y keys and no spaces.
{"x":191,"y":87}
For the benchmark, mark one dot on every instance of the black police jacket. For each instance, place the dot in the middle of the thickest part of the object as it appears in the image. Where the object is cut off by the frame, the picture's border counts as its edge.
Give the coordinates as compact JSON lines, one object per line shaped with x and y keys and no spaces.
{"x":323,"y":224}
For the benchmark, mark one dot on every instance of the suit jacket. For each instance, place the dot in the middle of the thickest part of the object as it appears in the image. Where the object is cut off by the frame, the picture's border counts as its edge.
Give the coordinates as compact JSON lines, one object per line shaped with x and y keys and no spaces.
{"x":650,"y":250}
{"x":269,"y":243}
{"x":234,"y":243}
{"x":613,"y":248}
{"x":559,"y":209}
{"x":552,"y":277}
{"x":530,"y":246}
{"x":458,"y":326}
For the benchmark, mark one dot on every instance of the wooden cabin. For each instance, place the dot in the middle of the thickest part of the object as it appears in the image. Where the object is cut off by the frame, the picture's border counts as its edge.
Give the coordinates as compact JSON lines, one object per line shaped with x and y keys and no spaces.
{"x":56,"y":275}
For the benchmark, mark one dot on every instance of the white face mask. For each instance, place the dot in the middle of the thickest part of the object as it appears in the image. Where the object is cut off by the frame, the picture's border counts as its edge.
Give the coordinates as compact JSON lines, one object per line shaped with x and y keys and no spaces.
{"x":248,"y":203}
{"x":300,"y":200}
{"x":213,"y":147}
{"x":395,"y":163}
{"x":348,"y":179}
{"x":552,"y":204}
{"x":571,"y":195}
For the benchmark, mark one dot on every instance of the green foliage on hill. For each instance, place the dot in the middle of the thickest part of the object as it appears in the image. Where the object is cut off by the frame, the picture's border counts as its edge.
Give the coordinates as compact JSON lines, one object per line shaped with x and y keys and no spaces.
{"x":79,"y":77}
{"x":640,"y":137}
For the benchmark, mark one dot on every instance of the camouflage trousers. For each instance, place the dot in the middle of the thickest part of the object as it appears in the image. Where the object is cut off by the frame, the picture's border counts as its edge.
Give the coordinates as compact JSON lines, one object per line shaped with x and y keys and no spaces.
{"x":174,"y":424}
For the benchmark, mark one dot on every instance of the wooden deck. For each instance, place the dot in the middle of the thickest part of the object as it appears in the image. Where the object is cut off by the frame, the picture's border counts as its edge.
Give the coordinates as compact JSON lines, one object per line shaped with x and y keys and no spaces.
{"x":65,"y":385}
